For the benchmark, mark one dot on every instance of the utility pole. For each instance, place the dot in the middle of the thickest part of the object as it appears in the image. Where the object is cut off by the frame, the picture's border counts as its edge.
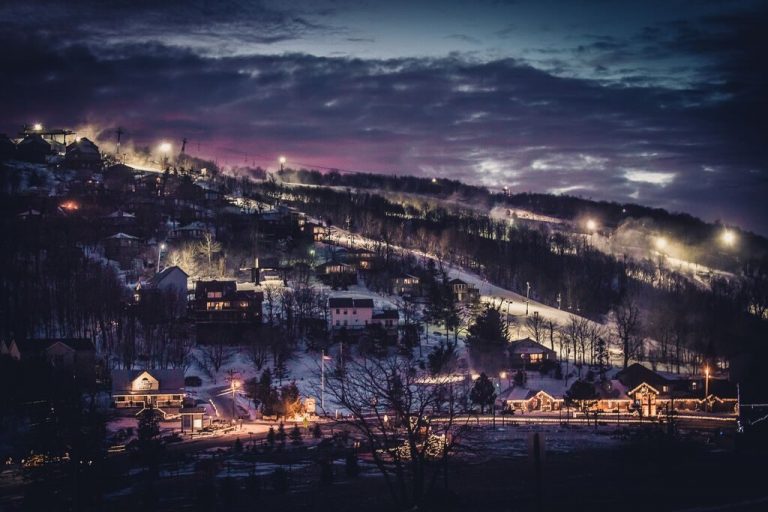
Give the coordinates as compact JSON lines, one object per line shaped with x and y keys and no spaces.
{"x":183,"y":145}
{"x":233,"y":385}
{"x":119,"y":132}
{"x":527,"y":296}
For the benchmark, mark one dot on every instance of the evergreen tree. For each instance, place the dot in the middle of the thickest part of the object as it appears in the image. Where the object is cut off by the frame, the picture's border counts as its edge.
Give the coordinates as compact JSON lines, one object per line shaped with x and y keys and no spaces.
{"x":281,"y":435}
{"x":317,"y":433}
{"x":483,"y":392}
{"x":295,"y":435}
{"x":489,"y":330}
{"x":582,"y":394}
{"x":271,"y":437}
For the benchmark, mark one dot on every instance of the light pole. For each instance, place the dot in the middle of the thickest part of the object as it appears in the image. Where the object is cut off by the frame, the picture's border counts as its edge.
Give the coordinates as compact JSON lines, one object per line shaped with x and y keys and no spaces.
{"x":234,"y":385}
{"x":706,"y":382}
{"x":165,"y":149}
{"x":527,"y":296}
{"x":160,"y":249}
{"x":282,"y":162}
{"x":323,"y":358}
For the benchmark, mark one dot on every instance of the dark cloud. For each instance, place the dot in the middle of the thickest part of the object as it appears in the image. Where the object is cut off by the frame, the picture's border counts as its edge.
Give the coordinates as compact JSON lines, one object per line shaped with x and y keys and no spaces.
{"x":695,"y":147}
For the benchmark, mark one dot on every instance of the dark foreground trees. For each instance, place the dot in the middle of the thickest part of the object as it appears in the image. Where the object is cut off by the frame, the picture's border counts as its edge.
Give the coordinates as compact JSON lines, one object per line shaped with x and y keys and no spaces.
{"x":391,"y":408}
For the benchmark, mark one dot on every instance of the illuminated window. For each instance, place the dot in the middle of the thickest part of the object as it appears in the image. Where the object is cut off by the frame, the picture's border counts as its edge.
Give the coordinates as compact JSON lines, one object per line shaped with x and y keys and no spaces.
{"x":214,"y":295}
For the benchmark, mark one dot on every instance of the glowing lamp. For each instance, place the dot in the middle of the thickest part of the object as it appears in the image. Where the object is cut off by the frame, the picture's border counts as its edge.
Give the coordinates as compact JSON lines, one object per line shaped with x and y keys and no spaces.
{"x":591,"y":225}
{"x":165,"y":147}
{"x":728,"y":237}
{"x":282,"y":160}
{"x":37,"y":127}
{"x":661,"y":243}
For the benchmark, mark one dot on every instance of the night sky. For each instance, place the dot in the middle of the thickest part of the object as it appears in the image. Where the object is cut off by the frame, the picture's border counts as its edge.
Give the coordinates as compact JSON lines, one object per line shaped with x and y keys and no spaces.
{"x":657,"y":102}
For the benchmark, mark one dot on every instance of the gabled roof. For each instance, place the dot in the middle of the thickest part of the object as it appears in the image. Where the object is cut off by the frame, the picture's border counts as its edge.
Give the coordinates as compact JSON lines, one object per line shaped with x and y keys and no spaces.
{"x":118,"y":214}
{"x":456,"y":281}
{"x":158,"y":278}
{"x":636,"y":374}
{"x":30,"y":347}
{"x":122,"y":236}
{"x":349,"y":302}
{"x":527,"y":346}
{"x":170,"y":381}
{"x":385,"y":314}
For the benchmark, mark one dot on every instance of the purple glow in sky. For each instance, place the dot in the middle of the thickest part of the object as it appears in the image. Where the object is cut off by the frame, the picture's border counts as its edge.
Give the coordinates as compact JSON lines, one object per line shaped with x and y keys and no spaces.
{"x":660,"y":103}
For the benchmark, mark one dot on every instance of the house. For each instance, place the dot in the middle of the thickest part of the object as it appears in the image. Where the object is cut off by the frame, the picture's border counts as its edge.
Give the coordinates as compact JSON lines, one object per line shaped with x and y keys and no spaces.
{"x":33,"y":148}
{"x":119,"y":178}
{"x":83,"y":154}
{"x":350,"y":313}
{"x":361,"y":259}
{"x":653,"y":392}
{"x":192,"y":231}
{"x":163,"y":389}
{"x":220,"y":302}
{"x":388,"y":319}
{"x":7,"y":148}
{"x":464,"y":292}
{"x":406,"y":284}
{"x":170,"y":284}
{"x":530,"y":399}
{"x":120,"y":219}
{"x":527,"y":353}
{"x":121,"y":247}
{"x":337,"y":275}
{"x":72,"y":354}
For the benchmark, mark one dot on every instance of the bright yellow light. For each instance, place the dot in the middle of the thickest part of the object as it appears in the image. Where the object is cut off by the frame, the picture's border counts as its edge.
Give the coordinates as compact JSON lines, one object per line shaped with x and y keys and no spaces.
{"x":282,"y":160}
{"x":728,"y":237}
{"x":37,"y":127}
{"x":434,"y":180}
{"x":661,"y":243}
{"x":591,"y":224}
{"x":503,"y":375}
{"x":165,"y":147}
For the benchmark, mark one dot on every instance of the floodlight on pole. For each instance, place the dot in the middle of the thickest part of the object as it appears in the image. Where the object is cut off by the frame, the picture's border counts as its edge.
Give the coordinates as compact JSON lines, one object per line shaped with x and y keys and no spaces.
{"x":661,"y":243}
{"x":37,"y":127}
{"x":728,"y":237}
{"x":282,"y":161}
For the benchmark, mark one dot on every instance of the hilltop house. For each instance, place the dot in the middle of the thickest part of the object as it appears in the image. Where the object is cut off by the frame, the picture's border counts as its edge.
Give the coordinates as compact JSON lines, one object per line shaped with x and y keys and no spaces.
{"x":83,"y":154}
{"x":350,"y":313}
{"x":220,"y":302}
{"x":121,"y":247}
{"x":72,"y":354}
{"x":406,"y":284}
{"x":170,"y":284}
{"x":464,"y":292}
{"x":163,"y":389}
{"x":527,"y":353}
{"x":193,"y":231}
{"x":33,"y":148}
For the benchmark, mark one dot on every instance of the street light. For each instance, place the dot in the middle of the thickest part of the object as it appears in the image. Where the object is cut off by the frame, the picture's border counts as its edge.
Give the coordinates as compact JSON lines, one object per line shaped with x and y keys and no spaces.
{"x":234,"y":385}
{"x":661,"y":243}
{"x":165,"y":149}
{"x":282,"y":161}
{"x":160,"y":249}
{"x":706,"y":382}
{"x":591,"y":225}
{"x":37,"y":127}
{"x":728,"y":237}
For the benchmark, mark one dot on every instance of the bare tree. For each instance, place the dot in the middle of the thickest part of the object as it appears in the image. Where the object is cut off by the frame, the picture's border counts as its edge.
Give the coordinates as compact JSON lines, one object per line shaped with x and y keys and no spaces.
{"x":627,"y":318}
{"x":535,"y":326}
{"x":390,"y":406}
{"x":208,"y":246}
{"x":213,"y":356}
